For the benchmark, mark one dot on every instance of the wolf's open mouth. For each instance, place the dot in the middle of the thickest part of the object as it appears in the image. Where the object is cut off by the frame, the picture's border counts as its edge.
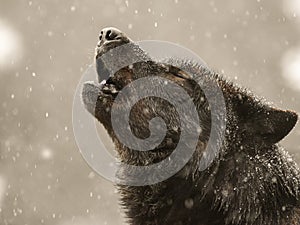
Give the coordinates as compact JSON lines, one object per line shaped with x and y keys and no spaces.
{"x":109,"y":87}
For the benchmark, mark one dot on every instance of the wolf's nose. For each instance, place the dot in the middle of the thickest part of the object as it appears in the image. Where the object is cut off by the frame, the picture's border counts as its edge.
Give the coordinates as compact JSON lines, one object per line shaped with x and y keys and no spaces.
{"x":109,"y":34}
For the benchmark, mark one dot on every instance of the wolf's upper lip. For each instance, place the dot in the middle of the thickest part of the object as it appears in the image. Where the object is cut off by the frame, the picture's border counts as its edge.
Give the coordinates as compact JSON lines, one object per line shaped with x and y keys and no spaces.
{"x":114,"y":39}
{"x":104,"y":47}
{"x":102,"y":43}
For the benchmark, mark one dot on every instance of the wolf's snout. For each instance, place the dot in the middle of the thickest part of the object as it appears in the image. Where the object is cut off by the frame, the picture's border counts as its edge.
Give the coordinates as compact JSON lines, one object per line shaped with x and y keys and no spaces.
{"x":111,"y":34}
{"x":109,"y":38}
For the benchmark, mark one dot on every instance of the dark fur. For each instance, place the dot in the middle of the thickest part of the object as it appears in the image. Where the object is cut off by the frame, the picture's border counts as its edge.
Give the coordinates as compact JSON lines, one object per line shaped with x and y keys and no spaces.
{"x":253,"y":181}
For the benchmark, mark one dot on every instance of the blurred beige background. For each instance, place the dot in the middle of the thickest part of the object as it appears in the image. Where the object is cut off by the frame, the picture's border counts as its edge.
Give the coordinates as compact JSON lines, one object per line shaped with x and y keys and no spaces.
{"x":46,"y":45}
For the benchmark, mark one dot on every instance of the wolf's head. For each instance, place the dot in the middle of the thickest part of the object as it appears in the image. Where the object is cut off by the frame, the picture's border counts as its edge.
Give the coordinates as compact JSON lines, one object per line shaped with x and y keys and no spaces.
{"x":250,"y":122}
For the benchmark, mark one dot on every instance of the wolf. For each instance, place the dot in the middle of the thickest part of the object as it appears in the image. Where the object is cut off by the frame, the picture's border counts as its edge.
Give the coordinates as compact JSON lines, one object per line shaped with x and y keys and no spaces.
{"x":251,"y":181}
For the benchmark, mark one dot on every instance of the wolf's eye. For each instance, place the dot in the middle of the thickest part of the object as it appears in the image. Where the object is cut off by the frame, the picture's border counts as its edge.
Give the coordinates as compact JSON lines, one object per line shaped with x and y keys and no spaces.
{"x":183,"y":75}
{"x":178,"y":73}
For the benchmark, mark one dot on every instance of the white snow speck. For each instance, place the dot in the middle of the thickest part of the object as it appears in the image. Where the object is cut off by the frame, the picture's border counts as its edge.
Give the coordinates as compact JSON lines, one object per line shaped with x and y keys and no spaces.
{"x":225,"y":193}
{"x":189,"y":203}
{"x":46,"y":154}
{"x":274,"y":180}
{"x":91,"y":175}
{"x":50,"y":33}
{"x":290,"y":67}
{"x":11,"y":49}
{"x":72,"y":8}
{"x":199,"y":130}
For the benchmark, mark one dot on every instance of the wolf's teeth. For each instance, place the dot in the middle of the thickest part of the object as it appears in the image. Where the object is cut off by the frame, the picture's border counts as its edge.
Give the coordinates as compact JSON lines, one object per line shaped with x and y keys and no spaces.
{"x":114,"y":91}
{"x":103,"y":82}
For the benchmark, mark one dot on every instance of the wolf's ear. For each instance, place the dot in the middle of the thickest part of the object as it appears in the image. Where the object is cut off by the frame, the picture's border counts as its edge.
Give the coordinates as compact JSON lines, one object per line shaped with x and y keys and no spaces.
{"x":272,"y":125}
{"x":264,"y":123}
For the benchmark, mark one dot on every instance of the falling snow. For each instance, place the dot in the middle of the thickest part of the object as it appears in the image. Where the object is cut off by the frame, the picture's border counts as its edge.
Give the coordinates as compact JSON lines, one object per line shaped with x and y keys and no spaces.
{"x":45,"y":48}
{"x":46,"y":153}
{"x":73,"y":8}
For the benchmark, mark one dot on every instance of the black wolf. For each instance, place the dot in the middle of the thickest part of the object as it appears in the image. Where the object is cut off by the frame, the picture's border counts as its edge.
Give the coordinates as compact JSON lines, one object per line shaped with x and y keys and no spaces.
{"x":252,"y":181}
